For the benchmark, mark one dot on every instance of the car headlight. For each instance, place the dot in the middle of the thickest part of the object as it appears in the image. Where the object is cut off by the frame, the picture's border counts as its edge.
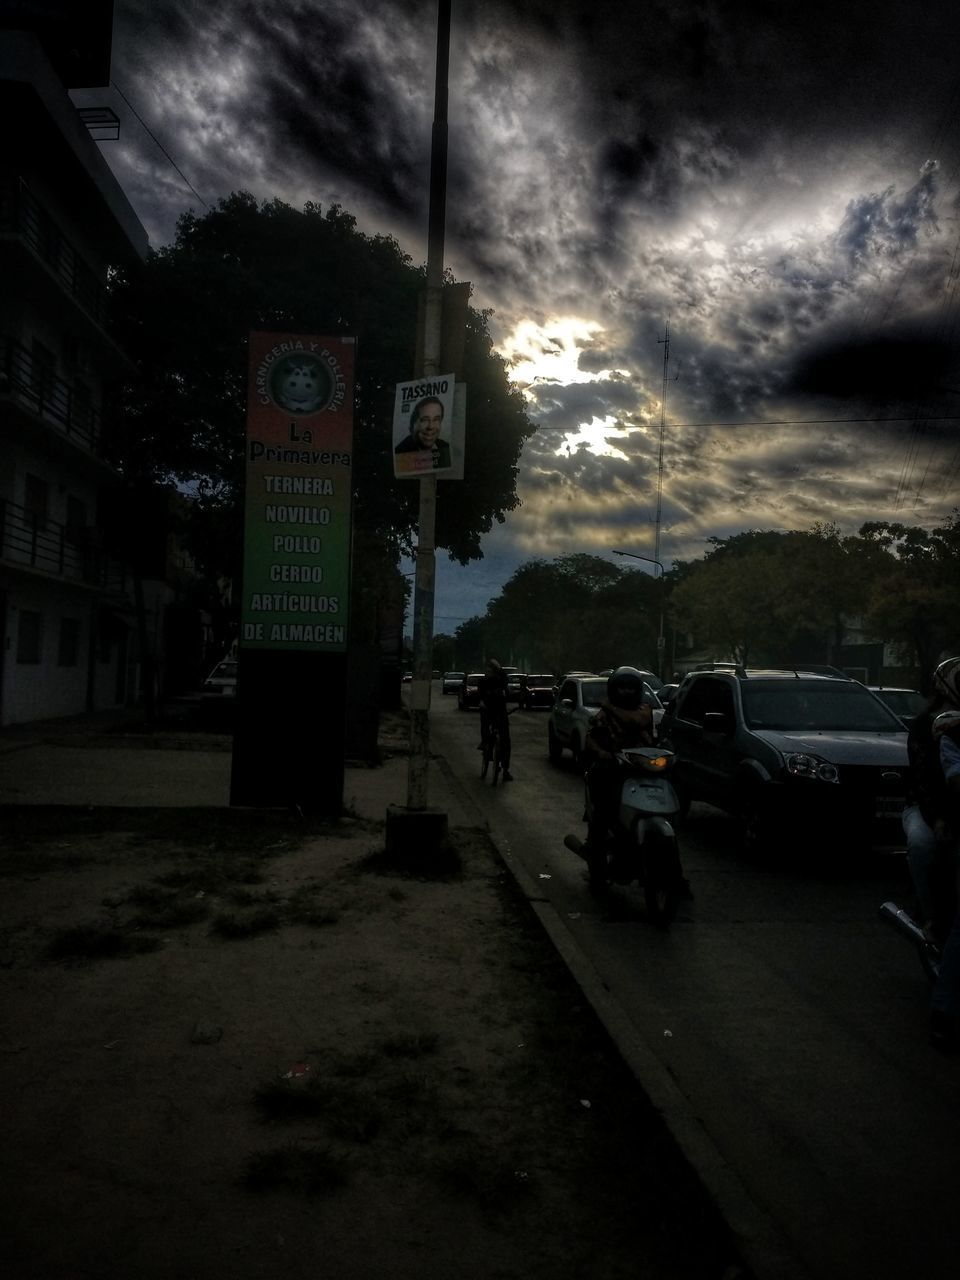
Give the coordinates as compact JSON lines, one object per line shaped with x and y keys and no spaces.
{"x":802,"y":765}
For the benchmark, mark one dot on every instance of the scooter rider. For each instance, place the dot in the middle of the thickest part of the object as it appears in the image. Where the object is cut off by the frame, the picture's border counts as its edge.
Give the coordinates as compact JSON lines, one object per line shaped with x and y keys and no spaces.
{"x":624,"y":720}
{"x":925,"y":818}
{"x":945,"y":1001}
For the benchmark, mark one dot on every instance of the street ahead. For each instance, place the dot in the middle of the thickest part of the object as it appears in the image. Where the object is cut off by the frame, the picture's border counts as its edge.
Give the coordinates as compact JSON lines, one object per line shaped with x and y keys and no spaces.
{"x":790,"y":1018}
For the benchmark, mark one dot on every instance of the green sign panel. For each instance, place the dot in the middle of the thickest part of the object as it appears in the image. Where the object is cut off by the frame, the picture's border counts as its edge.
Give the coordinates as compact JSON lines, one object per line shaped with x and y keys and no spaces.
{"x":296,"y":551}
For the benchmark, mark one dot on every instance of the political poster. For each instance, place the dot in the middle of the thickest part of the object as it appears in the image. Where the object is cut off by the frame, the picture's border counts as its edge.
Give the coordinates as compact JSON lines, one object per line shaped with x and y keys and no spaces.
{"x":428,"y":428}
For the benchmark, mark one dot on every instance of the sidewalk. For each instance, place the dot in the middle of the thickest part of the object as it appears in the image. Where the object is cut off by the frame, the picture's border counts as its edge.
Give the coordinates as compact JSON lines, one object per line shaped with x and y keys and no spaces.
{"x":240,"y":1046}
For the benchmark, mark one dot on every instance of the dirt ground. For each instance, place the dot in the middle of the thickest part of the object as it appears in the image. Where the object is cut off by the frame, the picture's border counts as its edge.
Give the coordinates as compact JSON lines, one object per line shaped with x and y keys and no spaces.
{"x":240,"y":1046}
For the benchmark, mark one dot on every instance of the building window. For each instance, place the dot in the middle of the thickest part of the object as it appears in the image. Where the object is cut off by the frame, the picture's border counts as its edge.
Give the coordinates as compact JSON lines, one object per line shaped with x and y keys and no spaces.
{"x":76,"y":518}
{"x":44,"y":372}
{"x":69,"y":652}
{"x":35,"y":494}
{"x":29,"y":634}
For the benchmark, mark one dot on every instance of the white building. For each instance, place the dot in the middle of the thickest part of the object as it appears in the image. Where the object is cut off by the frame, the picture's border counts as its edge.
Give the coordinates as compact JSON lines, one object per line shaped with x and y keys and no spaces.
{"x":66,"y":604}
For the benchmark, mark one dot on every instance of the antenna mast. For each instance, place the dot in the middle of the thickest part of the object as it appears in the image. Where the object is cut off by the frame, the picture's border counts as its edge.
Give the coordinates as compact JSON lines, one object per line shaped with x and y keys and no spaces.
{"x":665,"y":343}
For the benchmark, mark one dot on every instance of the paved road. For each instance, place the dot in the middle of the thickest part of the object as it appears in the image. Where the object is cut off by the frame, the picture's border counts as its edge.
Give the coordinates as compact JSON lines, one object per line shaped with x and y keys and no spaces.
{"x":791,"y":1020}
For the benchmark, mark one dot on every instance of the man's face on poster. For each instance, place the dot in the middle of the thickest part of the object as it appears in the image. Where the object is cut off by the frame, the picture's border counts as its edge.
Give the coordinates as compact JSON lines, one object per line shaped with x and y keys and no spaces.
{"x":428,"y":422}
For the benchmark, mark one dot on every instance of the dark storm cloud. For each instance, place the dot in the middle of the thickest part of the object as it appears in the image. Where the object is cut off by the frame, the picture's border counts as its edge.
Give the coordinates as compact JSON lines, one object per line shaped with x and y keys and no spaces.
{"x":778,"y":182}
{"x":897,"y":366}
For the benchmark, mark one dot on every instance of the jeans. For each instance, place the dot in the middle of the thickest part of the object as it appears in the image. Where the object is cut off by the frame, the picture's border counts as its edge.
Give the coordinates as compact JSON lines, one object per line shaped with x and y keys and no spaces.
{"x":946,"y":991}
{"x":922,"y":852}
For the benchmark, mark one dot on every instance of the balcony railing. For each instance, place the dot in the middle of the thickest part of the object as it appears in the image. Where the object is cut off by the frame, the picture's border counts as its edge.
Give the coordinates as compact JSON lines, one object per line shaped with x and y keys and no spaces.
{"x":29,"y":382}
{"x":69,"y":553}
{"x":22,"y":214}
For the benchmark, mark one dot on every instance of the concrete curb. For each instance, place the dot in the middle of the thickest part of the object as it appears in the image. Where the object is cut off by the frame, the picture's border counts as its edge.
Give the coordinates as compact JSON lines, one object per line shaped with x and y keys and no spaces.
{"x":760,"y":1241}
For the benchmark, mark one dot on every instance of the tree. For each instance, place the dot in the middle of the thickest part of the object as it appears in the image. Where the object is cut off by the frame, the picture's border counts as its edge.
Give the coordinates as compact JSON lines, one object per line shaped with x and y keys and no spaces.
{"x":576,"y":612}
{"x":774,"y":596}
{"x":185,"y":319}
{"x":915,"y":600}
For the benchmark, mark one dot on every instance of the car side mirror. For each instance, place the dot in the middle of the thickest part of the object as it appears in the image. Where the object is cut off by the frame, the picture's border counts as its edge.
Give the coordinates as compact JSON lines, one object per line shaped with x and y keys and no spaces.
{"x":716,"y":722}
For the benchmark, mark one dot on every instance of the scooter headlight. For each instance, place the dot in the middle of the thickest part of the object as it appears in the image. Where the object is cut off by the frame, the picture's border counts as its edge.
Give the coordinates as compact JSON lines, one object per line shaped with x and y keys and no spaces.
{"x":802,"y":765}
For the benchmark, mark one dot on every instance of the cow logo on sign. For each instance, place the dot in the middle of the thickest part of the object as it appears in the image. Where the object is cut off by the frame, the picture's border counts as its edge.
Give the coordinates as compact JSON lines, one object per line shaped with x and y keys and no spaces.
{"x":301,"y":383}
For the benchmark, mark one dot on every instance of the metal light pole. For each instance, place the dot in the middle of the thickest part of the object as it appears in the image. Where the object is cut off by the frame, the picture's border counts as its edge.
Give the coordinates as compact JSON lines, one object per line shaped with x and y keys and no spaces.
{"x":660,"y":639}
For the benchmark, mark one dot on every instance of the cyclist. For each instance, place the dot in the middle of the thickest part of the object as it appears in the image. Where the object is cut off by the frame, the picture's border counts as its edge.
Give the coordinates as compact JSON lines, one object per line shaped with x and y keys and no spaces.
{"x":493,"y":711}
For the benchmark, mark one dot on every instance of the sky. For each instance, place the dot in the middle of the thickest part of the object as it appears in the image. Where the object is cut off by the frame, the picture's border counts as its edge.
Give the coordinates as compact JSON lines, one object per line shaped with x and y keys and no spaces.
{"x":773,"y":187}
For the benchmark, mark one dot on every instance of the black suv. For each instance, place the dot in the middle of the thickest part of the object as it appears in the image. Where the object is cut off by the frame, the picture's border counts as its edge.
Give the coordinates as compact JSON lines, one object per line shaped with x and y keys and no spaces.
{"x":794,"y":753}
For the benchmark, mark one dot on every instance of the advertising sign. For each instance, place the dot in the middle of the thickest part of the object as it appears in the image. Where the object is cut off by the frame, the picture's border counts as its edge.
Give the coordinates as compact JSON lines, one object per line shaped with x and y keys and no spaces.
{"x":428,"y":428}
{"x":296,"y":551}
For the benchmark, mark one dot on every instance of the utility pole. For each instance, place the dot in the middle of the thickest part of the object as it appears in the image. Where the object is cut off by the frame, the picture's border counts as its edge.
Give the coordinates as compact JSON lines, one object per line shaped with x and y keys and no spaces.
{"x":427,"y":827}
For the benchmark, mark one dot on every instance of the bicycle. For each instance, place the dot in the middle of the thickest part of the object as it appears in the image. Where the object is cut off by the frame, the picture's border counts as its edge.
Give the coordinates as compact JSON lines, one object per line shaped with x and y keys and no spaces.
{"x":491,"y":754}
{"x":493,"y":751}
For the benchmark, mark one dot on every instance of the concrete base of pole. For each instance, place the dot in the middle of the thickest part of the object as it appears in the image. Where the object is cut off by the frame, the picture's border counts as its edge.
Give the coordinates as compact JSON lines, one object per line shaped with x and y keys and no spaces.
{"x":415,"y":833}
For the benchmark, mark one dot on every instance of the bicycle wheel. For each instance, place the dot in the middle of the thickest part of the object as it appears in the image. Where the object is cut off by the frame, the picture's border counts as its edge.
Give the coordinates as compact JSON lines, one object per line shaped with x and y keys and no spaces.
{"x":496,"y":759}
{"x":486,"y":757}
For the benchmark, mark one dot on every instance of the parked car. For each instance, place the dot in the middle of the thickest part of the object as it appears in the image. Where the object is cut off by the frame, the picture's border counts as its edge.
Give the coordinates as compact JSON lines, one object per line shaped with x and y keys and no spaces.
{"x":222,"y":681}
{"x":905,"y":703}
{"x":795,"y":754}
{"x":667,"y":692}
{"x":537,"y":690}
{"x":451,"y":682}
{"x":577,"y":702}
{"x":468,"y":695}
{"x":514,"y":684}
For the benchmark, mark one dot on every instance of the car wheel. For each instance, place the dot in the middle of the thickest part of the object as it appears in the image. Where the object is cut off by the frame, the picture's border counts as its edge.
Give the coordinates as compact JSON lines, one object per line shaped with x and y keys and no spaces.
{"x":554,"y":747}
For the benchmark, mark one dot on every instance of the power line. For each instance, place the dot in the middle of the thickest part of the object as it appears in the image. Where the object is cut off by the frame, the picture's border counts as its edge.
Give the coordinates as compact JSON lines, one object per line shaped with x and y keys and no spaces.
{"x":775,"y":422}
{"x":151,"y":134}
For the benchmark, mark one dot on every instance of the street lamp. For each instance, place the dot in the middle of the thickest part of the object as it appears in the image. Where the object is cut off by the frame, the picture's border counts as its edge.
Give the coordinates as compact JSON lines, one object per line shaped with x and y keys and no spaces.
{"x":660,"y":639}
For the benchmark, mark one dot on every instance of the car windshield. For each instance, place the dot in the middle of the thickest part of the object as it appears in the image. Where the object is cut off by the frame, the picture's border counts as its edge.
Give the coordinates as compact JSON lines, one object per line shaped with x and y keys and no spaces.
{"x":806,"y":705}
{"x":903,"y":702}
{"x":540,"y":682}
{"x":593,"y":692}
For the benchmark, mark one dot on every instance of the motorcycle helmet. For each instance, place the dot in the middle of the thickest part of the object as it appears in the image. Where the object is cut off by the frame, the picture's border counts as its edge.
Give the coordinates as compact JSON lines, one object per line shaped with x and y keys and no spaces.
{"x":946,"y":722}
{"x":946,"y":680}
{"x":625,"y":688}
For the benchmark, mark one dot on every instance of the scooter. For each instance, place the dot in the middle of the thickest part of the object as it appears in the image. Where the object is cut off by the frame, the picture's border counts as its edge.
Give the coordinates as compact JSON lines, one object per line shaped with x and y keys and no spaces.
{"x":642,"y":845}
{"x":903,"y":921}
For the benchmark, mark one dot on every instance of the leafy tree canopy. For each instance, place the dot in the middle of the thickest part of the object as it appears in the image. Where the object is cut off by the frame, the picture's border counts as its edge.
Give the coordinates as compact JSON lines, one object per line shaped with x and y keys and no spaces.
{"x":243,"y":266}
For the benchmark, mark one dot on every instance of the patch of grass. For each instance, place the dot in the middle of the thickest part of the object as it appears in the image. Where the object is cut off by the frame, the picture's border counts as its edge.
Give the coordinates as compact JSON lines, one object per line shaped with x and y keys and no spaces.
{"x":97,"y":942}
{"x":248,"y":898}
{"x":308,"y":1171}
{"x":418,"y":864}
{"x":467,"y":1168}
{"x":350,"y":1114}
{"x":305,"y":907}
{"x":172,"y":911}
{"x":246,"y":923}
{"x":414,"y":1045}
{"x":353,"y":1065}
{"x":283,"y":1100}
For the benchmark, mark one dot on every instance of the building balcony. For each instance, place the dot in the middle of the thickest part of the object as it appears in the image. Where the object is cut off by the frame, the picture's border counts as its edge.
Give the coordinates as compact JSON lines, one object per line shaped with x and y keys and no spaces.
{"x":24,"y":221}
{"x":27,"y":382}
{"x":34,"y":545}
